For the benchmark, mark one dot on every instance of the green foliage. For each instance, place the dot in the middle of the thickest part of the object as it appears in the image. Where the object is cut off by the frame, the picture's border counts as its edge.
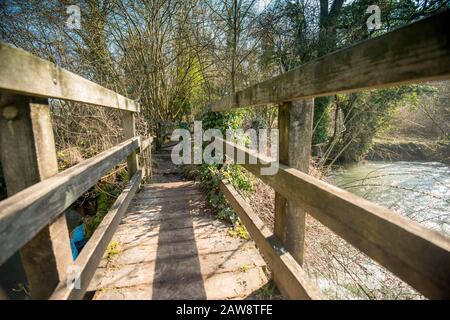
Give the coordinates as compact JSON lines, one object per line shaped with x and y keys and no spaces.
{"x":210,"y":177}
{"x":394,"y":13}
{"x":369,"y":113}
{"x":321,"y":119}
{"x":262,"y":117}
{"x":238,"y":231}
{"x":285,"y":42}
{"x":258,"y":122}
{"x":226,"y":213}
{"x":290,"y":37}
{"x":268,"y":291}
{"x":245,"y":268}
{"x":237,"y":178}
{"x":222,"y":120}
{"x":107,"y":195}
{"x":191,"y":91}
{"x":112,"y":250}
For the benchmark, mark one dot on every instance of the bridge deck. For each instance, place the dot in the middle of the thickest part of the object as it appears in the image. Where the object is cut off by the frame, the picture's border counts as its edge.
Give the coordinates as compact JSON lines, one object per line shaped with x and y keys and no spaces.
{"x":169,"y":246}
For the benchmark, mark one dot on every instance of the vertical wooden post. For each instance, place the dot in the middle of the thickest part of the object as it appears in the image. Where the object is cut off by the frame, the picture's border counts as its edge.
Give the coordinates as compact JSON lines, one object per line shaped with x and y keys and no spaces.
{"x":27,"y":151}
{"x":129,"y":130}
{"x":149,"y":163}
{"x":295,"y":121}
{"x":283,"y":144}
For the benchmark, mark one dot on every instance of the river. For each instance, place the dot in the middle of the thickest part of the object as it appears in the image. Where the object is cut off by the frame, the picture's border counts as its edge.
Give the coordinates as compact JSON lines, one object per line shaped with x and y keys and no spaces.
{"x":418,"y":190}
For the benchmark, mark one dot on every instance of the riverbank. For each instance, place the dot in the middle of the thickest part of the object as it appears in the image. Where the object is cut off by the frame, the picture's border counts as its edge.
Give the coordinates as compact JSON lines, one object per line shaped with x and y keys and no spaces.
{"x":408,"y":149}
{"x":336,"y":267}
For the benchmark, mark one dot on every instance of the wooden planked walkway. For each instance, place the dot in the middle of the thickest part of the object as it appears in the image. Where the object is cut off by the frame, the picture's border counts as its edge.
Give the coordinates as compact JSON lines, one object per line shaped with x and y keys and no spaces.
{"x":169,"y":246}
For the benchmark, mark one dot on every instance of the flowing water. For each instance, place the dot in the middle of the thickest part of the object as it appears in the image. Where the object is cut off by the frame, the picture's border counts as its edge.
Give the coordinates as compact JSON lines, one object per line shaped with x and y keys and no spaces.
{"x":418,"y":190}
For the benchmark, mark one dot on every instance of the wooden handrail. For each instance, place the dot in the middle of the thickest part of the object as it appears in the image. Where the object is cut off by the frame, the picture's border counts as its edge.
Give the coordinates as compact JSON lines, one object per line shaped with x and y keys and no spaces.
{"x":415,"y":53}
{"x":145,"y":143}
{"x":74,"y":286}
{"x":417,"y":255}
{"x":292,"y":280}
{"x":25,"y":74}
{"x":32,"y":218}
{"x":24,"y":214}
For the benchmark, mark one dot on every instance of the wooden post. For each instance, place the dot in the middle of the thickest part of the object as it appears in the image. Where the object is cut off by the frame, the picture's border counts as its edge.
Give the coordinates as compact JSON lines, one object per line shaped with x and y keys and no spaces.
{"x":295,"y":124}
{"x":129,"y":131}
{"x":149,"y":163}
{"x":27,"y":152}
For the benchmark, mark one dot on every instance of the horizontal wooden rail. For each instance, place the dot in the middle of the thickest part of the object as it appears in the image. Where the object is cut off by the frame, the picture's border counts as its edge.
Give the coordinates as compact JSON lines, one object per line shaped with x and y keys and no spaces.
{"x":24,"y":214}
{"x":417,"y":255}
{"x":291,"y":279}
{"x":145,"y":143}
{"x":414,"y":53}
{"x":26,"y":74}
{"x":92,"y":253}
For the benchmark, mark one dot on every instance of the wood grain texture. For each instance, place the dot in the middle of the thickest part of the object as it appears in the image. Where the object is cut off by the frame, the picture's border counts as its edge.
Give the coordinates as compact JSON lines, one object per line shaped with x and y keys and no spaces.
{"x":129,"y":131}
{"x":415,"y":53}
{"x":28,"y":136}
{"x":24,"y":73}
{"x":24,"y":214}
{"x":417,"y":255}
{"x":145,"y":143}
{"x":295,"y":120}
{"x":92,"y":253}
{"x":171,"y":247}
{"x":292,"y":280}
{"x":145,"y":151}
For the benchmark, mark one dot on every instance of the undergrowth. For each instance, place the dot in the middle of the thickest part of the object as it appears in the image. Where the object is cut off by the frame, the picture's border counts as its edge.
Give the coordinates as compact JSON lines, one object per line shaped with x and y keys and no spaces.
{"x":107,"y":192}
{"x":209,"y":177}
{"x":112,"y":250}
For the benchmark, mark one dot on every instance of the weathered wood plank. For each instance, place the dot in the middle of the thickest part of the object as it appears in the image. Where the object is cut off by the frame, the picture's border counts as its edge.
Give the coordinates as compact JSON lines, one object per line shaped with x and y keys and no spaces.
{"x":417,"y":255}
{"x":92,"y":253}
{"x":26,"y":133}
{"x":24,"y":73}
{"x":292,"y":280}
{"x":145,"y":151}
{"x":279,"y":227}
{"x":145,"y":143}
{"x":173,"y":248}
{"x":414,"y":53}
{"x":129,"y":131}
{"x":146,"y":154}
{"x":295,"y":121}
{"x":24,"y":214}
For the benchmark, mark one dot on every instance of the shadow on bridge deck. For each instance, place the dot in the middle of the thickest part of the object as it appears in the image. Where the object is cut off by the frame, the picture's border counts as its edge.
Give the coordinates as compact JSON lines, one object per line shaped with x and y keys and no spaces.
{"x":171,"y":247}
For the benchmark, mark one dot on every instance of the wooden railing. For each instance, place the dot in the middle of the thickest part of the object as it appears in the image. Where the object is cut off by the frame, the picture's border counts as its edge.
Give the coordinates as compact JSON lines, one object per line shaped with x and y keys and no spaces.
{"x":421,"y":257}
{"x":32,"y":218}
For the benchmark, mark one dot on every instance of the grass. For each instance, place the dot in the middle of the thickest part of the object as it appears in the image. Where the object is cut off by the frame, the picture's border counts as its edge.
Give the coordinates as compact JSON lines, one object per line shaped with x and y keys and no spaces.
{"x":244,"y":268}
{"x":268,"y":292}
{"x":112,"y":250}
{"x":238,"y":231}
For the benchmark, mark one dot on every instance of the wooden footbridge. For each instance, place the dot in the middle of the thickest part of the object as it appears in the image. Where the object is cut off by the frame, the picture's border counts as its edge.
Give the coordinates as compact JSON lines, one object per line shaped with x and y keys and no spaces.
{"x":169,"y":246}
